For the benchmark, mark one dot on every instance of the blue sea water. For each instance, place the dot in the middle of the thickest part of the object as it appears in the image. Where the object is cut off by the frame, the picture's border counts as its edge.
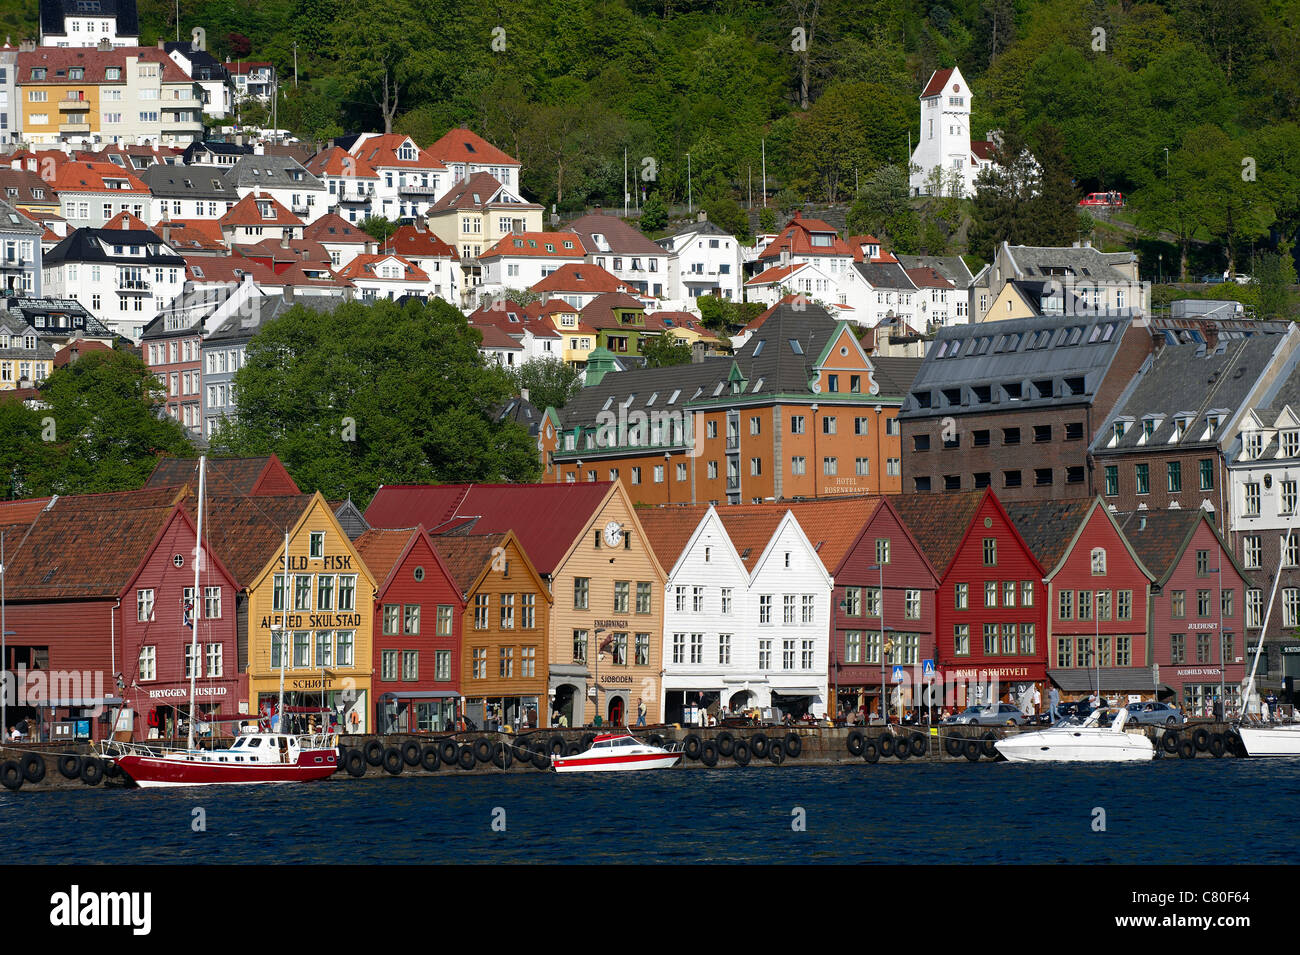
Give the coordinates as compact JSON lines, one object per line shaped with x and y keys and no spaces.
{"x":1203,"y":811}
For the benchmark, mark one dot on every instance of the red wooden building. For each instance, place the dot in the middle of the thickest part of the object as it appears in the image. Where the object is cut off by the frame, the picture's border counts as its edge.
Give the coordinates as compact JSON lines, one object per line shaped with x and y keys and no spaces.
{"x":990,"y":617}
{"x":156,"y":605}
{"x":417,"y":632}
{"x":1097,"y":590}
{"x":1196,"y":632}
{"x":865,"y":546}
{"x":68,"y":564}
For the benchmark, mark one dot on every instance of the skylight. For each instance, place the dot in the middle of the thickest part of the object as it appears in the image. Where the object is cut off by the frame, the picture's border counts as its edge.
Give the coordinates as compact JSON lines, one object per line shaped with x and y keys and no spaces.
{"x":795,"y":346}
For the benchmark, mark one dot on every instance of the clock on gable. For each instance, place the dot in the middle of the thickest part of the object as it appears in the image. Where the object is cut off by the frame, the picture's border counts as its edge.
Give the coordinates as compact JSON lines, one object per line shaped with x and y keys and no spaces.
{"x":613,"y":534}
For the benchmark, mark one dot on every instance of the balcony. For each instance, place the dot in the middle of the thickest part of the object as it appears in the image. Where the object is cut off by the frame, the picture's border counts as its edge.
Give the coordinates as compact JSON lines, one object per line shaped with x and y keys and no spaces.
{"x":352,"y":195}
{"x":301,"y":209}
{"x":73,"y":104}
{"x":188,"y":102}
{"x":81,"y":127}
{"x":416,"y":189}
{"x":138,"y":286}
{"x":733,"y":482}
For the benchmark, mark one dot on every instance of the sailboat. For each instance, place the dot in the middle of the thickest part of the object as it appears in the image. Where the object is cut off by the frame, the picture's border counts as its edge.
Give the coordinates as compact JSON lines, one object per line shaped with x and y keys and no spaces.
{"x":253,"y":758}
{"x":1267,"y":739}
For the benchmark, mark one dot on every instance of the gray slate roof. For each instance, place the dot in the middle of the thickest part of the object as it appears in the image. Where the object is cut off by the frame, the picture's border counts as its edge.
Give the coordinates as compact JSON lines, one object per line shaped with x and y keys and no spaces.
{"x":272,"y":172}
{"x":1037,"y":262}
{"x":12,"y":221}
{"x":262,"y":310}
{"x":964,"y":359}
{"x":885,"y":275}
{"x":187,"y":182}
{"x":1188,"y":380}
{"x":951,"y":267}
{"x":63,"y":317}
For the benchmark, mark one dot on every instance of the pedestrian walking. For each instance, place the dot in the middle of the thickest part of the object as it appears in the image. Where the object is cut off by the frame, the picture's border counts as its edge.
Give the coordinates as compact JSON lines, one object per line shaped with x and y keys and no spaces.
{"x":1054,"y":704}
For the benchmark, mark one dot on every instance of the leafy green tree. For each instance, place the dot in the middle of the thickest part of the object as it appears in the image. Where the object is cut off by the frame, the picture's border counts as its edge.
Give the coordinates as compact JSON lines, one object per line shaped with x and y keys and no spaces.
{"x":1274,"y":276}
{"x":664,"y":350}
{"x":787,"y":201}
{"x":551,"y":382}
{"x":715,"y":311}
{"x":726,"y":213}
{"x":767,"y":220}
{"x":376,"y":393}
{"x":378,"y":51}
{"x":26,"y":462}
{"x":1053,"y":217}
{"x":102,"y":428}
{"x":379,"y":228}
{"x":654,"y":217}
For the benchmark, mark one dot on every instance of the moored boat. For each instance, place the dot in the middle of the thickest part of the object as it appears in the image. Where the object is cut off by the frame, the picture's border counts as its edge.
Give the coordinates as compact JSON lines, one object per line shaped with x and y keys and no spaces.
{"x":618,"y":752}
{"x":253,"y":758}
{"x":1085,"y":742}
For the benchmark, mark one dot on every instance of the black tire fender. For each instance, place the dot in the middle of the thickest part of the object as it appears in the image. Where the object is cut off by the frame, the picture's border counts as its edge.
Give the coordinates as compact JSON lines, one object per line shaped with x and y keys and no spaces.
{"x":555,"y":745}
{"x":972,"y":750}
{"x":740,"y":752}
{"x":587,"y":740}
{"x":70,"y":766}
{"x":870,"y":751}
{"x":430,"y":759}
{"x":1217,"y":747}
{"x":449,"y":752}
{"x":691,"y":745}
{"x":11,"y":775}
{"x":1186,"y":749}
{"x":482,"y":749}
{"x":988,"y":742}
{"x":953,"y":745}
{"x":465,"y":759}
{"x":33,"y":765}
{"x":920,"y":745}
{"x":793,"y":745}
{"x":375,"y":753}
{"x":92,"y":771}
{"x":885,"y":743}
{"x":776,"y":752}
{"x":502,"y":755}
{"x":902,"y":748}
{"x":355,"y":762}
{"x":1201,"y":739}
{"x":854,"y":742}
{"x":759,"y":745}
{"x":725,"y":742}
{"x":709,"y":753}
{"x":1169,"y":742}
{"x":393,"y":761}
{"x":411,"y":753}
{"x":541,"y":761}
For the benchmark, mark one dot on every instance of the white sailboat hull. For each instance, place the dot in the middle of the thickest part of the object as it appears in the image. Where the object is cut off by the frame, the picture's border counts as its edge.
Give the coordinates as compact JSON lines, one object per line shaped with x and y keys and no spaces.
{"x":1076,"y":744}
{"x":1271,"y":740}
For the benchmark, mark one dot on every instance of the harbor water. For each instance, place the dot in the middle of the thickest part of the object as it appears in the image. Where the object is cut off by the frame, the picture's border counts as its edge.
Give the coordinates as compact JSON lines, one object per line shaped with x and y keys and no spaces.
{"x":1180,"y":812}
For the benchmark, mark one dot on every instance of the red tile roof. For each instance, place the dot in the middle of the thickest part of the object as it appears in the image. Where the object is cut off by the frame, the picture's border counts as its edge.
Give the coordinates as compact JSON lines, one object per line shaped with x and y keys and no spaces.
{"x":796,"y":238}
{"x":90,"y":176}
{"x":583,"y":278}
{"x":381,"y":152}
{"x":928,"y":278}
{"x":337,"y":161}
{"x":381,"y":549}
{"x":475,"y":193}
{"x":982,"y":149}
{"x":832,"y":525}
{"x":413,"y":242}
{"x":334,"y":229}
{"x":599,"y":312}
{"x":668,"y":530}
{"x":246,"y":532}
{"x":247,"y":212}
{"x":750,"y":527}
{"x":125,"y":222}
{"x":535,"y":243}
{"x":776,"y":274}
{"x":547,"y":518}
{"x":938,"y":522}
{"x":938,"y":80}
{"x":75,"y":349}
{"x":462,"y":146}
{"x":363,"y":267}
{"x":466,"y":555}
{"x":226,"y":477}
{"x":184,"y":238}
{"x":58,"y":60}
{"x":206,"y":269}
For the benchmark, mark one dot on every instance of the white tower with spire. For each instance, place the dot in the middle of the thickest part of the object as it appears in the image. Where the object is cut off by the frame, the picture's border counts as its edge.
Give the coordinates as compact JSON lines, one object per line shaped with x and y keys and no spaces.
{"x":945,"y":141}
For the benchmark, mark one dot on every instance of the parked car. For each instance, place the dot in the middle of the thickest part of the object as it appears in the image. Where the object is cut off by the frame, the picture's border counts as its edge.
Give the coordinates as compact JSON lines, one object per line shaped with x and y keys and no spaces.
{"x":999,"y":714}
{"x":1159,"y":713}
{"x":1242,"y":278}
{"x":1213,"y":278}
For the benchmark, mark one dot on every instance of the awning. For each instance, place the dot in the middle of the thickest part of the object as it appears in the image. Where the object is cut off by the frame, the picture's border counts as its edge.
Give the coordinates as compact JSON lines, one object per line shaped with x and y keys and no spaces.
{"x":744,"y":678}
{"x":421,"y":695}
{"x":1114,"y":679}
{"x":75,"y":701}
{"x":796,"y":691}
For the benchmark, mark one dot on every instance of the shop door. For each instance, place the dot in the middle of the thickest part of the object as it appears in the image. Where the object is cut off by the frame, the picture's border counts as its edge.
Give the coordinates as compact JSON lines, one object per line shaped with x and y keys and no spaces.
{"x":616,"y":711}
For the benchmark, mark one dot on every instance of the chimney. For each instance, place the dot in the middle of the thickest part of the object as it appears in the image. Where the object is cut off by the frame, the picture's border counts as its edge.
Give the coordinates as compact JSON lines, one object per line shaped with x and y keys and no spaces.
{"x":523,"y":393}
{"x":798,"y":213}
{"x":160,"y":44}
{"x":703,"y":216}
{"x":284,"y":238}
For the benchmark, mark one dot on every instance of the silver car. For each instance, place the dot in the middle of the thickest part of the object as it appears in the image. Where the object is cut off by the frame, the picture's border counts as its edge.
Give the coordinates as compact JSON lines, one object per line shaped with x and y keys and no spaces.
{"x":999,"y":714}
{"x":1161,"y":714}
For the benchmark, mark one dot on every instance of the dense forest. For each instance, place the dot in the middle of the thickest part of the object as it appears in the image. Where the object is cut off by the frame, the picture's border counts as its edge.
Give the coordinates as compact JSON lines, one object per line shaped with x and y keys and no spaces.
{"x":1188,"y":106}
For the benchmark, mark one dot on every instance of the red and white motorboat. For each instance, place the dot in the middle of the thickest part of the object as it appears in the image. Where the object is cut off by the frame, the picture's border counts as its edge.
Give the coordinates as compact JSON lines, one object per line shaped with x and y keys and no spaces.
{"x":254,"y":758}
{"x":618,"y":753}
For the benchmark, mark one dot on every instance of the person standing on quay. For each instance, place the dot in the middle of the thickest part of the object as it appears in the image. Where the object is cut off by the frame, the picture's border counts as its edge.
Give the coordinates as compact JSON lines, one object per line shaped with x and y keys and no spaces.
{"x":640,"y":711}
{"x":1054,"y":704}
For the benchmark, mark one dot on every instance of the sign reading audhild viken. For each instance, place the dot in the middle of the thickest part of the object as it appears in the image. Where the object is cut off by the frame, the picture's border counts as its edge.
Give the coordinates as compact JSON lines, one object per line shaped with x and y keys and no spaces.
{"x":76,"y":908}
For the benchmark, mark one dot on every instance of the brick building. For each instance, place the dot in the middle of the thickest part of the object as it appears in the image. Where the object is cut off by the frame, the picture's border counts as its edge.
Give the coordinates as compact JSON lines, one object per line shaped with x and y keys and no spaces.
{"x":1013,"y":405}
{"x":800,"y":411}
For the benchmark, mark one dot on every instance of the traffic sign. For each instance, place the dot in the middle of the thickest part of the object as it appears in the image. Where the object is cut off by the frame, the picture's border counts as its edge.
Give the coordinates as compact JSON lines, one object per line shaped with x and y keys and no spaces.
{"x":927,"y":670}
{"x":898,"y":675}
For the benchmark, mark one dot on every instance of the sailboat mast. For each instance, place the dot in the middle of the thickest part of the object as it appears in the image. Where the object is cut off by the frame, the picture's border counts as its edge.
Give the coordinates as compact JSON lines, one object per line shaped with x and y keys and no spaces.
{"x":284,"y":633}
{"x":1263,"y":630}
{"x":195,"y":660}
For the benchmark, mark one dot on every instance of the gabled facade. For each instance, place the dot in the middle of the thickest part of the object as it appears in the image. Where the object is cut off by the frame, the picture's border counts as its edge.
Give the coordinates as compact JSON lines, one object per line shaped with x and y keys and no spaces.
{"x":319,"y":629}
{"x":1098,"y":593}
{"x":385,"y":276}
{"x":350,"y":181}
{"x":465,"y":153}
{"x":504,"y":650}
{"x":158,"y":605}
{"x":945,"y":159}
{"x":25,"y":360}
{"x":991,"y":613}
{"x":628,"y":255}
{"x":20,"y":253}
{"x":519,"y":261}
{"x":705,"y":260}
{"x":408,"y":179}
{"x":476,"y":214}
{"x":419,"y":609}
{"x":1203,"y":609}
{"x":283,"y":179}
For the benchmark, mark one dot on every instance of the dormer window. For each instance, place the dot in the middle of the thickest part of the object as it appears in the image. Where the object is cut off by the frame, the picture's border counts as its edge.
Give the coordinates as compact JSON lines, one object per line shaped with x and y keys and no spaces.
{"x":1181,"y":424}
{"x":1149,"y":426}
{"x":1211,"y":426}
{"x":1119,"y":429}
{"x":1289,"y":443}
{"x":1252,"y":444}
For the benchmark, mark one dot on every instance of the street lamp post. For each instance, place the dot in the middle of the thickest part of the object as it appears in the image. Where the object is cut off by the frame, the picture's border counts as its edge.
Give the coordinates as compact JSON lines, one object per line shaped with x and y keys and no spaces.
{"x":595,"y":685}
{"x":880,"y":608}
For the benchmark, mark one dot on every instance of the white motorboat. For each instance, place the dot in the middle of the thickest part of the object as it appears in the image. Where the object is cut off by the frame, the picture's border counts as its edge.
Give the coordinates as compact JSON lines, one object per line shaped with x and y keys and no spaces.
{"x":618,"y":753}
{"x":1085,"y":742}
{"x":1280,"y":739}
